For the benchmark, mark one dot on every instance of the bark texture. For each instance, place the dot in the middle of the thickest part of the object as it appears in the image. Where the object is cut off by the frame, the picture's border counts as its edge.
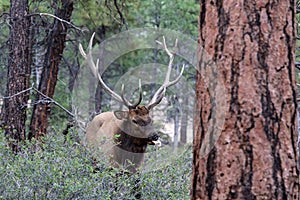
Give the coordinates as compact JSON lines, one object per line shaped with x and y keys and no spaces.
{"x":56,"y":44}
{"x":255,"y":157}
{"x":13,"y":114}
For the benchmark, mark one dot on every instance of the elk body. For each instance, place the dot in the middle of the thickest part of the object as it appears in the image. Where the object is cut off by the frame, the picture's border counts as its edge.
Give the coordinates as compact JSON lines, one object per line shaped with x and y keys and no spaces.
{"x":124,"y":135}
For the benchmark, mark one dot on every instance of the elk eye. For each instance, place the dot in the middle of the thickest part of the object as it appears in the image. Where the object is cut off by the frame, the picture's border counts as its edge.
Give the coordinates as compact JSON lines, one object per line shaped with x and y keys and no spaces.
{"x":134,"y":121}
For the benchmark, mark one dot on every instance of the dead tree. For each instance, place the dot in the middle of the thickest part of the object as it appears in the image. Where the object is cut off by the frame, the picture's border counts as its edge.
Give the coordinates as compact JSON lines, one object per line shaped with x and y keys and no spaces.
{"x":55,"y":46}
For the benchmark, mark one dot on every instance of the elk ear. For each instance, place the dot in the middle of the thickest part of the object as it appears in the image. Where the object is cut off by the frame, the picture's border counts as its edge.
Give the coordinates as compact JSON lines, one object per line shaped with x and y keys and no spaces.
{"x":121,"y":115}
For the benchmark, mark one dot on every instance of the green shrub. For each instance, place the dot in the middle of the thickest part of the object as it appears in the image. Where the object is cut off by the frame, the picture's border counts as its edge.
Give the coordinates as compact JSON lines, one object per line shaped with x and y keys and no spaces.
{"x":64,"y":169}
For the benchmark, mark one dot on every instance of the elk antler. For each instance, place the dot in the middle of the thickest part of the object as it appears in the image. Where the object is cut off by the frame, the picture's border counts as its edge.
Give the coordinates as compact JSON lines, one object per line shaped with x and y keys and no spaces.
{"x":94,"y":67}
{"x":126,"y":102}
{"x":160,"y":93}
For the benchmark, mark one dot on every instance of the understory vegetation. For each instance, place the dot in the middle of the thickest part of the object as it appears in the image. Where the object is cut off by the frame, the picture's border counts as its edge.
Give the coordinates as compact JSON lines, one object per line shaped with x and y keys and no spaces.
{"x":64,"y":169}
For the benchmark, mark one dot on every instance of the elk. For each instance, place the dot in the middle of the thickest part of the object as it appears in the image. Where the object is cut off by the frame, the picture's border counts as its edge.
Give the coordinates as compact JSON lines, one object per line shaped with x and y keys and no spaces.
{"x":124,"y":135}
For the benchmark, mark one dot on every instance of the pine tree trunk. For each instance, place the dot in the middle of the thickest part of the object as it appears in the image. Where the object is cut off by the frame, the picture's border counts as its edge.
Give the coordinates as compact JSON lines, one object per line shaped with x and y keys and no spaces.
{"x":184,"y":118}
{"x":255,"y":156}
{"x":56,"y":45}
{"x":13,"y":114}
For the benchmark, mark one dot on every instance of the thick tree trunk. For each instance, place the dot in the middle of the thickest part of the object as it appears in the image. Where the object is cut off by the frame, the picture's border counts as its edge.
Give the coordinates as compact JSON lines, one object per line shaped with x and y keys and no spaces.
{"x":255,"y":157}
{"x":14,"y":109}
{"x":56,"y":45}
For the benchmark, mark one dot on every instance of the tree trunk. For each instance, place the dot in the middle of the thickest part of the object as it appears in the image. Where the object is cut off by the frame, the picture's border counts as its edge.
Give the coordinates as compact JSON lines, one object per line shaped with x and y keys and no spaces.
{"x":92,"y":88}
{"x":255,"y":156}
{"x":184,"y":118}
{"x":98,"y":97}
{"x":99,"y":91}
{"x":38,"y":52}
{"x":13,"y":114}
{"x":56,"y":45}
{"x":176,"y":122}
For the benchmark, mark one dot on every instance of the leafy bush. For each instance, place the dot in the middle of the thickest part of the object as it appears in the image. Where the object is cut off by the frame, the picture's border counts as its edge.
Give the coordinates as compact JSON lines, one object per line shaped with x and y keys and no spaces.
{"x":64,"y":169}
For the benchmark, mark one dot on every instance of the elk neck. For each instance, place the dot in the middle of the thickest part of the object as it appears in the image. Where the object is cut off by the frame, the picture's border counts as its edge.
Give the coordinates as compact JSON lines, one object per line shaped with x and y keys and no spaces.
{"x":126,"y":141}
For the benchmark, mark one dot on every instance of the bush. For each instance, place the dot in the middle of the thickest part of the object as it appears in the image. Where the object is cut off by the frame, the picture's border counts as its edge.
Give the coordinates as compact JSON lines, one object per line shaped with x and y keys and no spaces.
{"x":64,"y":169}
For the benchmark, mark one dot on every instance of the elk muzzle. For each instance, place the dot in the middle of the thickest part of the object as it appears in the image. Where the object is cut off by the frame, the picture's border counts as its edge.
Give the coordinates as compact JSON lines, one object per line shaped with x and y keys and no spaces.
{"x":153,"y":139}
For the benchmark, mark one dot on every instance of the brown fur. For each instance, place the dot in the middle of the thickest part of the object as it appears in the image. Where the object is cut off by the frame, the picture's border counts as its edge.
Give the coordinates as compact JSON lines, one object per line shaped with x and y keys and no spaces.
{"x":122,"y":135}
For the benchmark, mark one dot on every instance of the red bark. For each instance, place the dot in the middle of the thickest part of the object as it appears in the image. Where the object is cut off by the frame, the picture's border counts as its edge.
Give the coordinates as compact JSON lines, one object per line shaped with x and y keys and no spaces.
{"x":255,"y":157}
{"x":56,"y":45}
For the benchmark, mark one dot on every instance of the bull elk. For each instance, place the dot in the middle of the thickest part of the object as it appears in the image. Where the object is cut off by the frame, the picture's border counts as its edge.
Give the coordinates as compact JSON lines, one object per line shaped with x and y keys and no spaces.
{"x":125,"y":134}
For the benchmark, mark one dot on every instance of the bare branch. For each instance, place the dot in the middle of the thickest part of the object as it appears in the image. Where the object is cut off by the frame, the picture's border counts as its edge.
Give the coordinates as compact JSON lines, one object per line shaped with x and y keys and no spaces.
{"x":3,"y":14}
{"x":120,"y":14}
{"x":46,"y":100}
{"x":17,"y":94}
{"x":54,"y":102}
{"x":297,"y":65}
{"x":59,"y":19}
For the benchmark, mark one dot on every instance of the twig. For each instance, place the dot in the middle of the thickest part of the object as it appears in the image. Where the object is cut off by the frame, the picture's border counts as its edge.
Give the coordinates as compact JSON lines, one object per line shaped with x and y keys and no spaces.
{"x":3,"y":14}
{"x":17,"y":94}
{"x":297,"y":65}
{"x":47,"y":99}
{"x":54,"y":102}
{"x":61,"y":20}
{"x":120,"y":14}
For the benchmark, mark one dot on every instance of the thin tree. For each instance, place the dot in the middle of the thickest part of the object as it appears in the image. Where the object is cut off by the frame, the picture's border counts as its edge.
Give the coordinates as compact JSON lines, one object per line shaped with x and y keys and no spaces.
{"x":255,"y":156}
{"x":184,"y":117}
{"x":13,"y":113}
{"x":55,"y":46}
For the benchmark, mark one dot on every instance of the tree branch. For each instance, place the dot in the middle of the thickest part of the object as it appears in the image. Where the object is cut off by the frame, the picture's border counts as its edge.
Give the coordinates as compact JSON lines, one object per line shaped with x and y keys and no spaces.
{"x":120,"y":14}
{"x":59,"y":19}
{"x":47,"y":99}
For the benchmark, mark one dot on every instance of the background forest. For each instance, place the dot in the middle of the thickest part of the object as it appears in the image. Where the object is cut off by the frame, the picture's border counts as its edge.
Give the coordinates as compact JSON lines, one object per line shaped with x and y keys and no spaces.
{"x":64,"y":168}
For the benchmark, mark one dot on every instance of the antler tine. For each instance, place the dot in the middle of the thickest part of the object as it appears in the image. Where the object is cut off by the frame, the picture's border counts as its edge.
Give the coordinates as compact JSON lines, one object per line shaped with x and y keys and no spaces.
{"x":157,"y":97}
{"x":127,"y":103}
{"x":140,"y":94}
{"x":89,"y":59}
{"x":160,"y":93}
{"x":178,"y":77}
